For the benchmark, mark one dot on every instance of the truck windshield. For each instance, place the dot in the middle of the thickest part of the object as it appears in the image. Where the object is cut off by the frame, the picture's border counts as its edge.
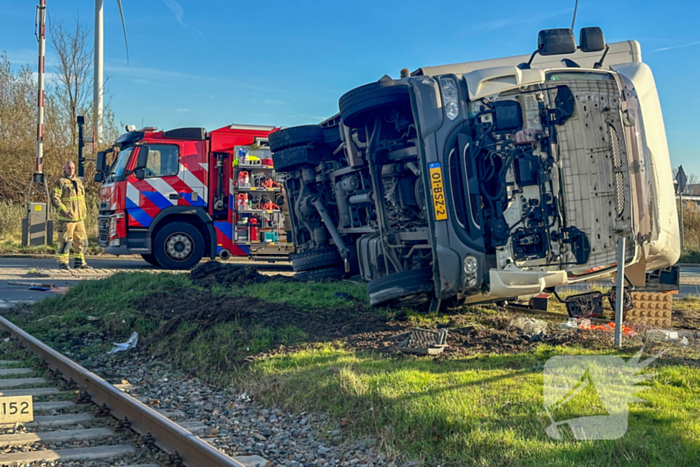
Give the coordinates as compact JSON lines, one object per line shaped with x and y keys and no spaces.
{"x":119,"y":165}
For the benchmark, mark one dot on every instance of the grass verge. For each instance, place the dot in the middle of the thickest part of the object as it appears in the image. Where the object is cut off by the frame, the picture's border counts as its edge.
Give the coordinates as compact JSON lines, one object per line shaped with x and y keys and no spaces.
{"x":485,"y":409}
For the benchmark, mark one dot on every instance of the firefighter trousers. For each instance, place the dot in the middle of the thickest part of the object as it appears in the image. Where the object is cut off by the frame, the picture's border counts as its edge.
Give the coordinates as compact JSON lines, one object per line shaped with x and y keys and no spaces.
{"x":71,"y":234}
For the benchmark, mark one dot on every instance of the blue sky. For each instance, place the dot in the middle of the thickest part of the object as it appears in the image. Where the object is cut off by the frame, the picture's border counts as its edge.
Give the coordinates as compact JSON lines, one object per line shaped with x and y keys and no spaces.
{"x":197,"y":63}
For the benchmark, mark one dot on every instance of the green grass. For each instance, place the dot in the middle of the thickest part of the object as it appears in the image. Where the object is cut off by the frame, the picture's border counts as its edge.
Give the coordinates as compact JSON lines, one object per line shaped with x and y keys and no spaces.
{"x":689,"y":256}
{"x":484,"y":410}
{"x":318,"y":295}
{"x":11,"y":215}
{"x":479,"y":411}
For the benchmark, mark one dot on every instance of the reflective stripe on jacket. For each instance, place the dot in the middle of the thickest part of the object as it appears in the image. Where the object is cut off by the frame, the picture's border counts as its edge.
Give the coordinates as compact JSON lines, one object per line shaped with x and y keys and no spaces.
{"x":68,"y":197}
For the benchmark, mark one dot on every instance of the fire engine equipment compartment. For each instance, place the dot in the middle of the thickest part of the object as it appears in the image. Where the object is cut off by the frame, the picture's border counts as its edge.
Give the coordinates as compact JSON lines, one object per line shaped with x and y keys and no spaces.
{"x":176,"y":196}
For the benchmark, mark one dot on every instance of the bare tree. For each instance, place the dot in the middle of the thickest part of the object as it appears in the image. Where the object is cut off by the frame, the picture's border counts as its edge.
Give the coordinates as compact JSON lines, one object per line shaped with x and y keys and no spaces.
{"x":68,"y":95}
{"x":73,"y":71}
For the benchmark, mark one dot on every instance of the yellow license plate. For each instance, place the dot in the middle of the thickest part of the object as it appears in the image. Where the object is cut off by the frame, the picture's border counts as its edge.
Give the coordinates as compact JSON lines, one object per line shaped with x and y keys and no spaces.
{"x":17,"y":409}
{"x":438,"y":191}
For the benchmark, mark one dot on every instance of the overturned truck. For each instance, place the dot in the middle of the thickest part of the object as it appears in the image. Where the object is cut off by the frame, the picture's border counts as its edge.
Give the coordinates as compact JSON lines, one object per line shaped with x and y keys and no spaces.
{"x":487,"y":180}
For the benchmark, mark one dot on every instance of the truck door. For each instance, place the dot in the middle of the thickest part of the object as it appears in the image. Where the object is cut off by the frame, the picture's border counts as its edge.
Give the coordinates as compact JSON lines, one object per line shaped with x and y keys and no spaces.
{"x":168,"y":182}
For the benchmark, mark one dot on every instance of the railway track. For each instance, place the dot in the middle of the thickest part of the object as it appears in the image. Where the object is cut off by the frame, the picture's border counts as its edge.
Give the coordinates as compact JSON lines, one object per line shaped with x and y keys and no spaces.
{"x":80,"y":419}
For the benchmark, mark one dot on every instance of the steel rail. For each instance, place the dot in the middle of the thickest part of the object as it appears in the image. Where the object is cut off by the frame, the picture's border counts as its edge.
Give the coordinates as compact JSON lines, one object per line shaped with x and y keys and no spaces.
{"x":168,"y":435}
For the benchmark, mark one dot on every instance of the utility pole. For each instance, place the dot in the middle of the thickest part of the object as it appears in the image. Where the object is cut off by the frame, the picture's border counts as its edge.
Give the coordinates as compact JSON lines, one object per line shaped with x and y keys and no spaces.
{"x":81,"y":148}
{"x":620,"y":289}
{"x":41,"y":14}
{"x":98,"y":69}
{"x":37,"y":228}
{"x":681,"y":183}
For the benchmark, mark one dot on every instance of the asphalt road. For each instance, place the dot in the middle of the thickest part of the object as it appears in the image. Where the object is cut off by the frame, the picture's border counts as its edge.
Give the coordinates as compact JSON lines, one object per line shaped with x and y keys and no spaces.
{"x":17,"y":269}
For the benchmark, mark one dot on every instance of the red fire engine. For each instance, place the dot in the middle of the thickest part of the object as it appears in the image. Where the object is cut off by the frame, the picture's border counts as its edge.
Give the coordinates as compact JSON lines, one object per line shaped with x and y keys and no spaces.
{"x":176,"y":196}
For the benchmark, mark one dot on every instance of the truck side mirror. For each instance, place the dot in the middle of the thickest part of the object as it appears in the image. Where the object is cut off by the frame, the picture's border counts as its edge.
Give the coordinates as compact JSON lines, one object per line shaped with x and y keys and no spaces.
{"x":140,"y":174}
{"x":99,"y":177}
{"x":142,"y":159}
{"x":100,"y":163}
{"x":592,"y":40}
{"x":556,"y":42}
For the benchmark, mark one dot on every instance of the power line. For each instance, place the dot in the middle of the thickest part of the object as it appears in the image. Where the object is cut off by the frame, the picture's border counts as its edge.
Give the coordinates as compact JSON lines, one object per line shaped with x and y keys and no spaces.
{"x":573,"y":23}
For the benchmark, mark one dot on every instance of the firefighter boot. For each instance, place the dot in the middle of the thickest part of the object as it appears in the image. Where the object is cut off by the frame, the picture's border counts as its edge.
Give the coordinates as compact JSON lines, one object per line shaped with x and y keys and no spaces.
{"x":79,"y":262}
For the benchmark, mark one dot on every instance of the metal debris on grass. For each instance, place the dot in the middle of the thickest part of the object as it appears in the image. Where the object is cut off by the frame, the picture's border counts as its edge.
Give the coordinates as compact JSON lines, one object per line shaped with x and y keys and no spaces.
{"x":531,"y":328}
{"x":422,"y":341}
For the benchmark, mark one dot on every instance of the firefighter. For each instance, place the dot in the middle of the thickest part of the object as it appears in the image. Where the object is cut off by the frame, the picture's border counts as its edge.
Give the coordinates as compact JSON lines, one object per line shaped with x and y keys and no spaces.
{"x":68,"y":198}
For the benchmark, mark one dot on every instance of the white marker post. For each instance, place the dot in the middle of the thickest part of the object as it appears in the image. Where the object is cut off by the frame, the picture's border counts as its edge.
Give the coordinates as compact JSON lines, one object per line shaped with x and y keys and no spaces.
{"x":620,"y":291}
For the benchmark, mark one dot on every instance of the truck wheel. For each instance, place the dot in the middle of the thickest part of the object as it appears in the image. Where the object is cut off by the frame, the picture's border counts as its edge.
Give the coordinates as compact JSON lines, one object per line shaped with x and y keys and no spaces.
{"x":178,"y":246}
{"x":401,"y":287}
{"x":355,"y":105}
{"x":150,"y":259}
{"x":295,"y":136}
{"x":289,"y":159}
{"x":333,"y":273}
{"x":319,"y":258}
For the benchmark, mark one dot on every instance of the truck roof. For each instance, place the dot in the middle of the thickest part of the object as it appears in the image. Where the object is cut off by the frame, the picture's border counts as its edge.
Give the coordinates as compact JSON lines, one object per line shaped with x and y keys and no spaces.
{"x":620,"y":52}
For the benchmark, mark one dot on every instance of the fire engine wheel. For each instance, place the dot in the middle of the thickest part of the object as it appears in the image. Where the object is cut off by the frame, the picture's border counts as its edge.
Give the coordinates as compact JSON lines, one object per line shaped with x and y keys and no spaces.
{"x":178,"y":246}
{"x":401,"y":288}
{"x":355,"y":105}
{"x":333,"y":273}
{"x":296,"y":136}
{"x":289,"y":159}
{"x":319,"y":258}
{"x":150,"y":259}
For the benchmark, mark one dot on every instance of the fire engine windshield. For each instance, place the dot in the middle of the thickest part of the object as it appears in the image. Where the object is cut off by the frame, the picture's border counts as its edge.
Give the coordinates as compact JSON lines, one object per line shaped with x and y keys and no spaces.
{"x":119,"y":165}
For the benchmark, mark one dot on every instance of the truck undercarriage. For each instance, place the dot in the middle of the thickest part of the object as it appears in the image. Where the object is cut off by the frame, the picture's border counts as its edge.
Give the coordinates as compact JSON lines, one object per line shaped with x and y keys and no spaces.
{"x":496,"y":183}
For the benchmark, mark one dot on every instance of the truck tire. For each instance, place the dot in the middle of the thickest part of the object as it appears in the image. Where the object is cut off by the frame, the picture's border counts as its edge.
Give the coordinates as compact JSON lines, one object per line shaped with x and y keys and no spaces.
{"x":289,"y":159}
{"x":150,"y":259}
{"x":400,"y":287}
{"x":355,"y":105}
{"x":314,"y":259}
{"x":178,"y":246}
{"x":333,"y":273}
{"x":295,"y":136}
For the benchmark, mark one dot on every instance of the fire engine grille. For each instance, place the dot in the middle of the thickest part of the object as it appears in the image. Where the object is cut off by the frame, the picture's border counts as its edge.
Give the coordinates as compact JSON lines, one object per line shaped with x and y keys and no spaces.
{"x":103,"y":231}
{"x":617,"y":168}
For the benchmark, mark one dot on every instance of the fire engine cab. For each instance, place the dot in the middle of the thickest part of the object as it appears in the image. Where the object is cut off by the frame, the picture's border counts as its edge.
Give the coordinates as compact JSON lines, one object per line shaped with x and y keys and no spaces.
{"x":176,"y":196}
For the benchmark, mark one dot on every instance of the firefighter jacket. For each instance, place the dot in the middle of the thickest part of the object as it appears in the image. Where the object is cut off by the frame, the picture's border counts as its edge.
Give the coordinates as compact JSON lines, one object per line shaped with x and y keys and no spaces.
{"x":68,"y":197}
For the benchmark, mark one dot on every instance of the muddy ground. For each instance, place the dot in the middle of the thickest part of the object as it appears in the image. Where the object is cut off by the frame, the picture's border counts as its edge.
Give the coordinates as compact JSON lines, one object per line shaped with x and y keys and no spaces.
{"x":471,"y":330}
{"x":355,"y":325}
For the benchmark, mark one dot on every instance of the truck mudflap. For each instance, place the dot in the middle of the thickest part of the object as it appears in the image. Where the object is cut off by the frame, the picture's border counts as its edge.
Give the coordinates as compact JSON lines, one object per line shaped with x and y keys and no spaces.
{"x":518,"y":283}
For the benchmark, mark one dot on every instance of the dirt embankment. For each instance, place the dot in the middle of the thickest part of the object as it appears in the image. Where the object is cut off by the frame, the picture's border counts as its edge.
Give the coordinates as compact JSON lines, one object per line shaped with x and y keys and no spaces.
{"x":216,"y":273}
{"x":357,"y":326}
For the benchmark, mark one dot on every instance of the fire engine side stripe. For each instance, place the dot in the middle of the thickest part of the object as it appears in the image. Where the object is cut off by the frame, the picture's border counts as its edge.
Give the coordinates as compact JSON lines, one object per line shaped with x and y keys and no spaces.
{"x":132,"y":194}
{"x":138,"y":214}
{"x":187,"y":199}
{"x":161,"y":187}
{"x":149,"y":207}
{"x":225,"y":228}
{"x":178,"y":185}
{"x":157,"y":198}
{"x":193,"y":182}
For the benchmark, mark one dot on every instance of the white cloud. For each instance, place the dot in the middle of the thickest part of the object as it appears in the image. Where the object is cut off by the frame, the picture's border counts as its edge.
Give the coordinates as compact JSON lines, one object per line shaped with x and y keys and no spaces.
{"x":49,"y":78}
{"x":676,"y":47}
{"x":177,"y":10}
{"x":160,"y":76}
{"x":512,"y":21}
{"x":179,"y":13}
